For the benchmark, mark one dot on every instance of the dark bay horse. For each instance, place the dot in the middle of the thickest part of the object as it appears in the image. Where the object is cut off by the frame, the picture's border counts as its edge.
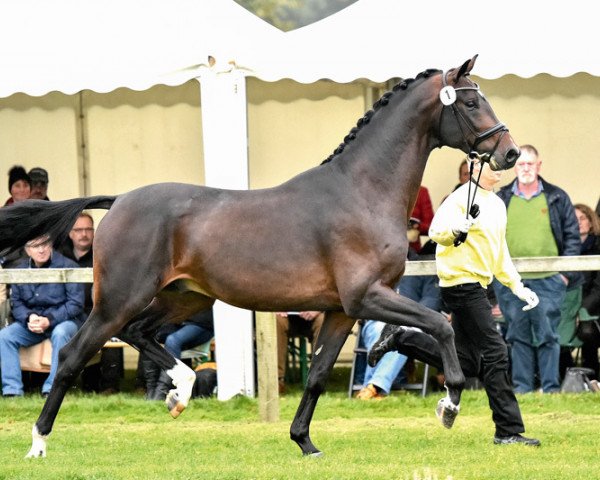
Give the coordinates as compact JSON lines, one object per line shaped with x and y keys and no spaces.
{"x":163,"y":252}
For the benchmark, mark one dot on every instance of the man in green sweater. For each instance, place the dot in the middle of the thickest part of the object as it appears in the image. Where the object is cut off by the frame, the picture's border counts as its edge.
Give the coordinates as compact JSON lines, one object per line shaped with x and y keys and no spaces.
{"x":541,"y":222}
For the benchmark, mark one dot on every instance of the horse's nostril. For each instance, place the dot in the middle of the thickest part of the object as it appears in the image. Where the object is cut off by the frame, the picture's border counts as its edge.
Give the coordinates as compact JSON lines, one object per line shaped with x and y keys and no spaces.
{"x":512,"y":155}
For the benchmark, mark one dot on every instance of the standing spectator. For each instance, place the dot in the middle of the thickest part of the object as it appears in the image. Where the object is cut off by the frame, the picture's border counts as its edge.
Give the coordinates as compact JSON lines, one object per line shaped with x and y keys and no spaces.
{"x":589,"y":229}
{"x":463,"y":174}
{"x":420,"y":219}
{"x":541,"y":222}
{"x":40,"y":311}
{"x":102,"y":377}
{"x":39,"y":183}
{"x":465,"y":271}
{"x":306,"y":324}
{"x":19,"y":185}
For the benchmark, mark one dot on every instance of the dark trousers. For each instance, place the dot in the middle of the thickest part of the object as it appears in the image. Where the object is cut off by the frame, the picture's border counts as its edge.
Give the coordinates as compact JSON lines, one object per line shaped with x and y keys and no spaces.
{"x":481,"y":350}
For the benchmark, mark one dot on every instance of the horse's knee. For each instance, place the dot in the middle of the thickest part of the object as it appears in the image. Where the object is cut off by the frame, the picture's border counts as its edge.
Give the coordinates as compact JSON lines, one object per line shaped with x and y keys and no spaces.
{"x":443,"y":331}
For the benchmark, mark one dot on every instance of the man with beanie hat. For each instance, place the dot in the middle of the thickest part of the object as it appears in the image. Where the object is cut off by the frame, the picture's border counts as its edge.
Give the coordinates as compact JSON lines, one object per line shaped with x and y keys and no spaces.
{"x":39,"y":183}
{"x":19,"y":185}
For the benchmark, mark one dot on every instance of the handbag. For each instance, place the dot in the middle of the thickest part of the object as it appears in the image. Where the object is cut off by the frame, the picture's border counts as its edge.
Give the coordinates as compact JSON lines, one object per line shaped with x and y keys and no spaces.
{"x":577,"y":380}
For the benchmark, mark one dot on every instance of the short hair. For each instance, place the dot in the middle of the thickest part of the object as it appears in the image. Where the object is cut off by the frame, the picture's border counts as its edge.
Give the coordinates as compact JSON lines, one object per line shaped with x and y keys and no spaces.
{"x":530,"y":149}
{"x":591,"y":216}
{"x":87,"y":214}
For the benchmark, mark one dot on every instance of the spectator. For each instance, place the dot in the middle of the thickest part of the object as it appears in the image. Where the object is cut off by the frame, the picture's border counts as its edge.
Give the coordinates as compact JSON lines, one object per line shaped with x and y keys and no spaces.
{"x":40,"y":311}
{"x":420,"y":219}
{"x":463,"y":174}
{"x":306,"y":324}
{"x":102,"y":377}
{"x":589,"y":229}
{"x":19,"y":185}
{"x":39,"y":183}
{"x":378,"y":380}
{"x":195,"y":331}
{"x":465,"y":271}
{"x":541,"y":222}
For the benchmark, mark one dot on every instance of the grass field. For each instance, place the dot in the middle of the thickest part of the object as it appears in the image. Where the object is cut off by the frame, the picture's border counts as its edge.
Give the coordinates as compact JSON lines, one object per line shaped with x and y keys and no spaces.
{"x":125,"y":437}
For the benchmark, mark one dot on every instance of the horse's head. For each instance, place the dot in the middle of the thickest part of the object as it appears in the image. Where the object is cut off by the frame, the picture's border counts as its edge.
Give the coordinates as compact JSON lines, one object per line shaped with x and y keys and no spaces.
{"x":468,"y":122}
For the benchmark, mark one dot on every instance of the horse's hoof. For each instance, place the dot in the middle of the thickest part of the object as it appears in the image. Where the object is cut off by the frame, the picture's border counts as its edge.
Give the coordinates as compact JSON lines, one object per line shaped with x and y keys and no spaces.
{"x":446,"y":412}
{"x":174,"y":406}
{"x":316,"y":454}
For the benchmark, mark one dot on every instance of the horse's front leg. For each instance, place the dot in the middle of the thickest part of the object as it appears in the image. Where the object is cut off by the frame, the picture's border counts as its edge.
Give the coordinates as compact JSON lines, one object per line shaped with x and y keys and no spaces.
{"x":382,"y":303}
{"x":332,"y":336}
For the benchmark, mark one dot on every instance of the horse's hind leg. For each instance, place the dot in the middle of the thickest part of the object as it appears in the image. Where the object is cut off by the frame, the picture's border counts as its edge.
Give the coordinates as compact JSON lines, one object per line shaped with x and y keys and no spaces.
{"x":168,"y":306}
{"x":72,"y":358}
{"x":332,"y":336}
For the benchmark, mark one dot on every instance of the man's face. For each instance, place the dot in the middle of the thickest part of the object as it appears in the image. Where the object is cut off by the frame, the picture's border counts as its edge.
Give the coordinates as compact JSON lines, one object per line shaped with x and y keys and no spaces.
{"x":39,"y":190}
{"x":82,"y":234}
{"x":39,"y":250}
{"x":527,"y":167}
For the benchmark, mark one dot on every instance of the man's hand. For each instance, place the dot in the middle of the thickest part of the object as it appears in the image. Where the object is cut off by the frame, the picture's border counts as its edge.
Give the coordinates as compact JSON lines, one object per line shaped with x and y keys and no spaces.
{"x":309,"y":316}
{"x":38,"y":324}
{"x":528,"y":296}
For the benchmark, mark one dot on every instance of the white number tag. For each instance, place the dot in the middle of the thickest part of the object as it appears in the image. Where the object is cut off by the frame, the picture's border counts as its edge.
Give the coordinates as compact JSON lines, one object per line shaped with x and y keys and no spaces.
{"x":448,"y":95}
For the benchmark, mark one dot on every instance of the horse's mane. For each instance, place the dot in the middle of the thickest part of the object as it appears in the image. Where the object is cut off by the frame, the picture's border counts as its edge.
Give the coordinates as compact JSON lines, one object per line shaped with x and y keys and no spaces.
{"x":382,"y":102}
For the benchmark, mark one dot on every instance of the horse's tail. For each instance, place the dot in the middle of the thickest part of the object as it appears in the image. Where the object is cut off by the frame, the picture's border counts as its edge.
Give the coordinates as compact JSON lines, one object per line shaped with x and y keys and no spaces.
{"x":31,"y":219}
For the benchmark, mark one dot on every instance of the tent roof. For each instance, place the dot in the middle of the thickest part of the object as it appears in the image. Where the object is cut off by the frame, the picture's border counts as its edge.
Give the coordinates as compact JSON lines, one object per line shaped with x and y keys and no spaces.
{"x":70,"y":45}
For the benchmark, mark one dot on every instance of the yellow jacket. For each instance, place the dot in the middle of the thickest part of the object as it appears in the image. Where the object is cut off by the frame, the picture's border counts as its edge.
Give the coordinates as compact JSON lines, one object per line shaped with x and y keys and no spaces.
{"x":485,"y":253}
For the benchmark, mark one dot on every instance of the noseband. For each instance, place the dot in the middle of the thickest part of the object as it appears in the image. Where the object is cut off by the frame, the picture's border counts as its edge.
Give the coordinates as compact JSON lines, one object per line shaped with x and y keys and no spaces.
{"x":448,"y":98}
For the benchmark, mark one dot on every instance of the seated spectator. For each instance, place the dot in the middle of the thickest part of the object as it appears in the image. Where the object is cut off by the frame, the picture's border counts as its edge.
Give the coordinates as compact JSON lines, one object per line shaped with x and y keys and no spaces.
{"x":40,"y":311}
{"x":39,"y":183}
{"x":197,"y":330}
{"x":378,"y":380}
{"x":589,"y":229}
{"x":301,"y":324}
{"x":103,"y":377}
{"x":424,"y":289}
{"x":19,"y":185}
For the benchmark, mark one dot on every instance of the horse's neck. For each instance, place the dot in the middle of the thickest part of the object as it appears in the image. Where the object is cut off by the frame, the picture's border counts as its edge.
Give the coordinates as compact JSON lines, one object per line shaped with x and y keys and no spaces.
{"x":392,"y":159}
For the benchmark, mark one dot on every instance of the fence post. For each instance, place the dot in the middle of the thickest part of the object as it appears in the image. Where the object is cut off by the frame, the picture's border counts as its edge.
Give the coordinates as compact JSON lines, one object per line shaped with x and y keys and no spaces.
{"x":266,"y":351}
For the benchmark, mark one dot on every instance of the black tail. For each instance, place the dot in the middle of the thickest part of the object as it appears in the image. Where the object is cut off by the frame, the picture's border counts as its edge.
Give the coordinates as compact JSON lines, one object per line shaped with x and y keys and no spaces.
{"x":30,"y":219}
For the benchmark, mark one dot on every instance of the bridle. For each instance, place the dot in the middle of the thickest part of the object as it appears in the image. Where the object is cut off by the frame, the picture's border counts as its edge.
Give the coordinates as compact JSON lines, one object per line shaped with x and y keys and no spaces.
{"x":448,"y":98}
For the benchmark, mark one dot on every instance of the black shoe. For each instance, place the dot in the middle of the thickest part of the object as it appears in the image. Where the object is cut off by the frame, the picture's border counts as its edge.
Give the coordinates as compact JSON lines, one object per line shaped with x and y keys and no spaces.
{"x":517,"y":438}
{"x":389,"y":341}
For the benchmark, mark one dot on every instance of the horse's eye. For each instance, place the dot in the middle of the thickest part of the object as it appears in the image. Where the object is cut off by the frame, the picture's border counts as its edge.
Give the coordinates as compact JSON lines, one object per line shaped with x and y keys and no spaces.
{"x":471,"y":104}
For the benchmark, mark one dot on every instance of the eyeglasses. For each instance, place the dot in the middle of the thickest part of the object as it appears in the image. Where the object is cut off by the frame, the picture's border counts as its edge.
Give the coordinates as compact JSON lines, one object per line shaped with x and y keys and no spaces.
{"x":82,"y":230}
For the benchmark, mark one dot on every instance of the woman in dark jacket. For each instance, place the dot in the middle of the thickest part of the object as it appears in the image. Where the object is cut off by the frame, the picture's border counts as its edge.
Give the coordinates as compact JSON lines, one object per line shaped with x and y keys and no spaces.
{"x":589,"y":229}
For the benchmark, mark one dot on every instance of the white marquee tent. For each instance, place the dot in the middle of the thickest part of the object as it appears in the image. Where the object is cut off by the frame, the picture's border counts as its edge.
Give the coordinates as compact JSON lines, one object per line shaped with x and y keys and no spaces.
{"x":74,"y":45}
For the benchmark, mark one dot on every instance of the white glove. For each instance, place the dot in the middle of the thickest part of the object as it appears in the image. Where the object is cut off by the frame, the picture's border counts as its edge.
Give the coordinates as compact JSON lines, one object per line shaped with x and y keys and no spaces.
{"x":463,"y":225}
{"x":528,"y":296}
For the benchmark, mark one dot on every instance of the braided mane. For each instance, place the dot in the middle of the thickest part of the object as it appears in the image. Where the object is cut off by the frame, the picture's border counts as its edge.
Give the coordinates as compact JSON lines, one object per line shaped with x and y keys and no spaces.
{"x":382,"y":102}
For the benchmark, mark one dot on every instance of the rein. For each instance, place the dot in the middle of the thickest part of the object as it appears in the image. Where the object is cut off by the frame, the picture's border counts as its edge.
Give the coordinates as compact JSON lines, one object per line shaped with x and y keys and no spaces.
{"x":448,"y":98}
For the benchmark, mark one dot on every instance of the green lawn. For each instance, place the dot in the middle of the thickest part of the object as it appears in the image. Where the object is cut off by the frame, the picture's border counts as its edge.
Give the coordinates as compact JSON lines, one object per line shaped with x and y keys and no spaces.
{"x":125,"y":437}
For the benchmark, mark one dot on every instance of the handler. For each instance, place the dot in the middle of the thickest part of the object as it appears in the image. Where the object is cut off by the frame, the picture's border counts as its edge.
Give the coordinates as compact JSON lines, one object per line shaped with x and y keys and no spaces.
{"x":470,"y":252}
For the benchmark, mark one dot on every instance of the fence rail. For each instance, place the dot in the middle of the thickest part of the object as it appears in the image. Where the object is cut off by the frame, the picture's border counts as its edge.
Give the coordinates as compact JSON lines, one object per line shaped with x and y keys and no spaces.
{"x":525,"y":264}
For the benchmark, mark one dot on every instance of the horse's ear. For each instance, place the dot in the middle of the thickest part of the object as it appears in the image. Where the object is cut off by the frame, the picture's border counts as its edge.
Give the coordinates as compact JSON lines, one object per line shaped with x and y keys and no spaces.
{"x":463,"y":70}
